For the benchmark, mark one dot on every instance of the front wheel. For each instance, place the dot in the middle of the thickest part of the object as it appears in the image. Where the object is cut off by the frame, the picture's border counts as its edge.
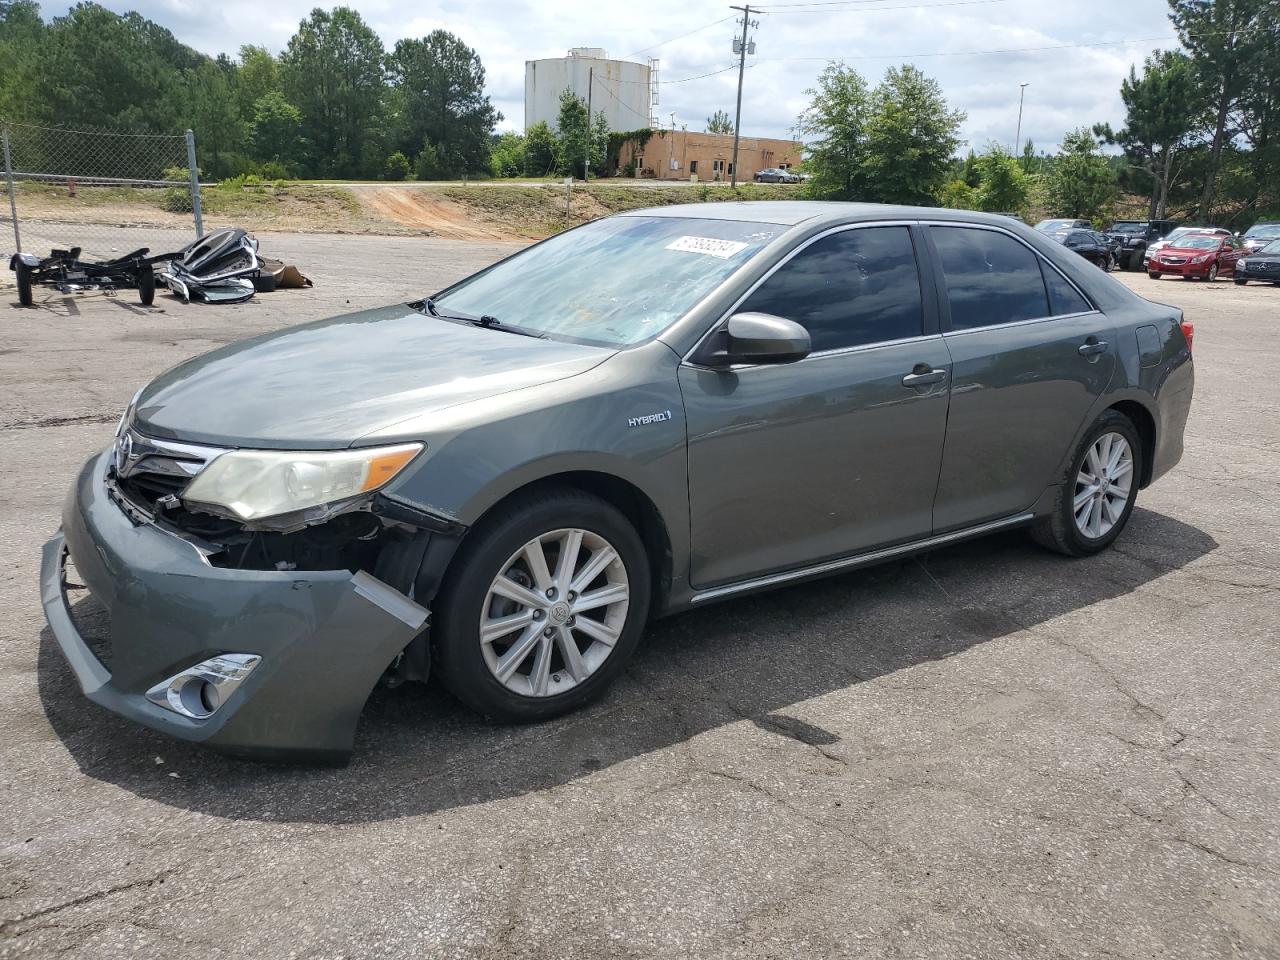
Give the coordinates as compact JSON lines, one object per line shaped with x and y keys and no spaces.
{"x":1096,"y":497}
{"x":147,"y":286}
{"x":1241,"y":281}
{"x":1213,"y":272}
{"x":1153,"y":275}
{"x":542,"y":607}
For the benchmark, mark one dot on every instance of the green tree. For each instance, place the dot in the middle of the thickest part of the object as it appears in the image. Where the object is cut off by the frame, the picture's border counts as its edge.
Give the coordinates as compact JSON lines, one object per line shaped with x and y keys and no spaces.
{"x":396,"y":167}
{"x":579,"y":141}
{"x":1081,"y":183}
{"x":836,"y":124}
{"x":23,"y":42}
{"x":507,"y":158}
{"x":1222,"y":38}
{"x":911,"y":137}
{"x":719,"y":122}
{"x":540,"y":150}
{"x":259,"y":76}
{"x":276,"y":129}
{"x":1004,"y":186}
{"x":1159,"y":121}
{"x":212,"y":109}
{"x":332,"y":70}
{"x":438,"y":95}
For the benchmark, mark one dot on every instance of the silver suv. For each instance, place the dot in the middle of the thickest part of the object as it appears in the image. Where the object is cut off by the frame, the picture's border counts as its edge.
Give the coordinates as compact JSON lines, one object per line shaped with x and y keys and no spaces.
{"x":659,"y":410}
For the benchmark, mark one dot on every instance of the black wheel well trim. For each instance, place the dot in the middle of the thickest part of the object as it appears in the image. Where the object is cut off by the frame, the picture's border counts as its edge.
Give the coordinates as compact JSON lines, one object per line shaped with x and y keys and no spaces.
{"x":1145,"y":424}
{"x":634,"y":504}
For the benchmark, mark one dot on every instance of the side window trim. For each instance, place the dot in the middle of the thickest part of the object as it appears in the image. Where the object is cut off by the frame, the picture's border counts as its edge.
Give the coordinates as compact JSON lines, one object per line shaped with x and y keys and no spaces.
{"x":931,"y":308}
{"x":944,"y":304}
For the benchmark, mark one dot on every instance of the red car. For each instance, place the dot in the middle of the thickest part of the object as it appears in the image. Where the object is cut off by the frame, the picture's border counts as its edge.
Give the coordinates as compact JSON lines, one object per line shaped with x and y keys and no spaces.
{"x":1196,"y":256}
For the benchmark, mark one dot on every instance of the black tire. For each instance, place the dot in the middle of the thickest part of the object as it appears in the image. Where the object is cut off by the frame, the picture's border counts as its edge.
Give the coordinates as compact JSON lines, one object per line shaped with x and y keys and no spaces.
{"x":1135,"y":258}
{"x":1241,"y":281}
{"x":25,"y":296}
{"x":458,"y":657}
{"x":147,"y":286}
{"x":1058,"y":531}
{"x":1153,"y":275}
{"x":1213,"y":273}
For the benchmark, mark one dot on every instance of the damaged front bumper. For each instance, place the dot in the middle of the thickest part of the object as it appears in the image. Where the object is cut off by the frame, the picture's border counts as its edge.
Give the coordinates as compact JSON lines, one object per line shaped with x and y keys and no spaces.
{"x":324,"y":637}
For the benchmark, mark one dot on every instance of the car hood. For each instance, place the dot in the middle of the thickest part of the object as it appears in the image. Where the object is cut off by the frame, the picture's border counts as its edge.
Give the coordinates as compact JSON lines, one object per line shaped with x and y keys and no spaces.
{"x":325,"y":385}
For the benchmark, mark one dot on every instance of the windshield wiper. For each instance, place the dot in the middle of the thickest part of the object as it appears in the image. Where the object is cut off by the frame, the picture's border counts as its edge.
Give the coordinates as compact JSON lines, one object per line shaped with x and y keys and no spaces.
{"x":486,"y":321}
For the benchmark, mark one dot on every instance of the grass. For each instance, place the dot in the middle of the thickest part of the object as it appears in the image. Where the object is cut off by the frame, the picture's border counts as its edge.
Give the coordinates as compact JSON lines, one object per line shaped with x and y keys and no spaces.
{"x":538,"y":211}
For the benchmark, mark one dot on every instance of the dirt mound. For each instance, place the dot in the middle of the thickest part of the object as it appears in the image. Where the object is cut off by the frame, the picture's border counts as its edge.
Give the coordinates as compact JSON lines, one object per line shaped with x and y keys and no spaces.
{"x":424,"y":209}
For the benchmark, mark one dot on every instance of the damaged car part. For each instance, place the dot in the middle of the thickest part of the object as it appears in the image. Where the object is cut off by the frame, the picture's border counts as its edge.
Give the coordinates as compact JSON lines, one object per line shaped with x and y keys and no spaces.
{"x":217,"y":268}
{"x":67,"y":273}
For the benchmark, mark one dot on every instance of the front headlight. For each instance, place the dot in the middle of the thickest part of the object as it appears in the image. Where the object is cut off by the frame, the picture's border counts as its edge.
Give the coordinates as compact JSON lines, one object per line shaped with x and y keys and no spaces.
{"x":254,"y":484}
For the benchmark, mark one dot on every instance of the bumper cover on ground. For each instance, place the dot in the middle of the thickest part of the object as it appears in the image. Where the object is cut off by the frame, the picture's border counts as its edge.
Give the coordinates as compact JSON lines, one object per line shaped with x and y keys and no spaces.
{"x":324,"y":637}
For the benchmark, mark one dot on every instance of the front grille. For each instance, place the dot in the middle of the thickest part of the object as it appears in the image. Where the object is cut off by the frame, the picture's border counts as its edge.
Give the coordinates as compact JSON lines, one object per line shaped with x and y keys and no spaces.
{"x":1174,"y":260}
{"x":92,"y":620}
{"x":148,"y":470}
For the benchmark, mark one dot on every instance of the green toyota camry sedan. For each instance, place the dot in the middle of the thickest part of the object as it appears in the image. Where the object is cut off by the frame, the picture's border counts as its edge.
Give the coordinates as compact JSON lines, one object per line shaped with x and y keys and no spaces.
{"x":502,"y":482}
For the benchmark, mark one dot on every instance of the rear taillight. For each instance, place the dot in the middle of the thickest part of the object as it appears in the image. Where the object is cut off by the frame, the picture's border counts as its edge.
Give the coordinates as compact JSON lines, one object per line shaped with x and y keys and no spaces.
{"x":1188,"y":331}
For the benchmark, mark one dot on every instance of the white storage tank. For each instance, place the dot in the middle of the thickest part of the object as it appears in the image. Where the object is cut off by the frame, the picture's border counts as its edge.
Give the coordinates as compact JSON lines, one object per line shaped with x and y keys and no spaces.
{"x":620,"y":89}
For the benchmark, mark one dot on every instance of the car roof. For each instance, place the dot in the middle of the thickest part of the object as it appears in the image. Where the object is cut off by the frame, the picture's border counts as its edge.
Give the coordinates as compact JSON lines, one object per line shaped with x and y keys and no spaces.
{"x":792,"y":212}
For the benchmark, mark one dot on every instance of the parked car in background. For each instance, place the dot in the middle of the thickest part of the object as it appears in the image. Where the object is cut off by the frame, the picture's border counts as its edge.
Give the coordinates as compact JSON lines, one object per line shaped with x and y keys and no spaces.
{"x":776,"y":175}
{"x":1263,"y":264}
{"x":1094,"y":247}
{"x":1135,"y":236}
{"x":1178,"y":233}
{"x":1054,"y":226}
{"x":1259,"y":235}
{"x":1112,"y":244}
{"x":502,"y":482}
{"x":1197,"y":256}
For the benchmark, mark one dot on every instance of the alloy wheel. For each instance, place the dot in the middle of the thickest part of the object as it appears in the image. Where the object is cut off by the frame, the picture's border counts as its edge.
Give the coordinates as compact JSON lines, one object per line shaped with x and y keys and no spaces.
{"x":1213,"y":272}
{"x":1103,"y":485}
{"x":554,"y":612}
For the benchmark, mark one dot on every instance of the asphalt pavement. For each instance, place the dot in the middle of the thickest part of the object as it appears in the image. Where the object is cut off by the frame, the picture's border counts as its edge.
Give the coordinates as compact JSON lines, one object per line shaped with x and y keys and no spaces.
{"x":988,"y":752}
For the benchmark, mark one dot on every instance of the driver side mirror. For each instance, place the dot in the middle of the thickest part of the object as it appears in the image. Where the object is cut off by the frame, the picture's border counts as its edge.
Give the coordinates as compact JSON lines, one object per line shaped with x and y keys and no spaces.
{"x":755,"y":338}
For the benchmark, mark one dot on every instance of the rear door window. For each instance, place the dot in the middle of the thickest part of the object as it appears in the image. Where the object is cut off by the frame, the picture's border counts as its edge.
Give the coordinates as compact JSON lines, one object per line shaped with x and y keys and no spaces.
{"x":848,"y":289}
{"x":991,"y":278}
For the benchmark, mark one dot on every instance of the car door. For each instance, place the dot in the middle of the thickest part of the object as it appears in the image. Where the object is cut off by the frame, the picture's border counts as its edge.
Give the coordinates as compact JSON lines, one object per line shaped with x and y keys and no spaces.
{"x":1229,"y":255}
{"x":1030,"y":356}
{"x":836,"y":453}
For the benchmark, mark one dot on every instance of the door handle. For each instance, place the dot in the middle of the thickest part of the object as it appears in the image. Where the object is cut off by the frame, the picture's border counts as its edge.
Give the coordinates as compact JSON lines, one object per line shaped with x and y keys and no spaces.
{"x":923,"y":375}
{"x":1092,"y":347}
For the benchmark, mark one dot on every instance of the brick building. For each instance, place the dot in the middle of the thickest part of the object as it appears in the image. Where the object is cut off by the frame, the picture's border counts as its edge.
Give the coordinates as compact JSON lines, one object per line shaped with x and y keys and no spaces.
{"x":684,"y":154}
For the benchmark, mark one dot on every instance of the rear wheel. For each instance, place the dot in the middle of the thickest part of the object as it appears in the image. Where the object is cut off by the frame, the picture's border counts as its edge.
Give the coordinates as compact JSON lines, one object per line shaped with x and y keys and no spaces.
{"x":147,"y":286}
{"x":25,"y":296}
{"x":542,"y":607}
{"x":1096,"y":497}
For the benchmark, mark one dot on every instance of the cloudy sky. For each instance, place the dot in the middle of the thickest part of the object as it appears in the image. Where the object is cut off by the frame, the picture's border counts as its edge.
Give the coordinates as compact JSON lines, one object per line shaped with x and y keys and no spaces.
{"x":948,"y":39}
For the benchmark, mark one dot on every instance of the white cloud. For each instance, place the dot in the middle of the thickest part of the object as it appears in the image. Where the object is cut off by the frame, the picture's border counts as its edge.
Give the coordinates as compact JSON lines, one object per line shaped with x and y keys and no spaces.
{"x":1068,"y":87}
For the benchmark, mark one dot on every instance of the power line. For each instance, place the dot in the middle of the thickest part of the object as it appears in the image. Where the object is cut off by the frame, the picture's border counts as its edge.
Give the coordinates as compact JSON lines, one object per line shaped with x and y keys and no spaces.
{"x":705,"y":26}
{"x":984,"y":53}
{"x":803,"y":7}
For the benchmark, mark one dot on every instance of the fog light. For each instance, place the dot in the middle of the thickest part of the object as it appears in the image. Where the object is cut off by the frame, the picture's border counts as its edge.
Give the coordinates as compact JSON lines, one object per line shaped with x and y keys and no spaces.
{"x":199,"y":691}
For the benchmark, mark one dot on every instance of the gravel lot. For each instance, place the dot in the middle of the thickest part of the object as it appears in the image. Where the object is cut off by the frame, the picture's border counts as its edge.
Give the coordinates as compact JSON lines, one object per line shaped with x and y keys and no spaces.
{"x":991,"y":752}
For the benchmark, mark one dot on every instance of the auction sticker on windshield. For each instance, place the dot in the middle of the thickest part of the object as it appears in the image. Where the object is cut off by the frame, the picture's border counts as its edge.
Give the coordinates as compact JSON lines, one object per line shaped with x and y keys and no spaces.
{"x":724,"y":249}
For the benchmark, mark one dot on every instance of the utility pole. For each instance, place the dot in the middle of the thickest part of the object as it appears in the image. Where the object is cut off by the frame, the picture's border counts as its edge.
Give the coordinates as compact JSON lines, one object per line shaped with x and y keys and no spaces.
{"x":1017,"y":139}
{"x":586,"y":161}
{"x":742,"y":65}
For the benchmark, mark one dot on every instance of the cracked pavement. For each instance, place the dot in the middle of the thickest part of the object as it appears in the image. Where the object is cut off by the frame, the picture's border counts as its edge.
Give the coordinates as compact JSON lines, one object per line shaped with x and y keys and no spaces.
{"x":989,"y":751}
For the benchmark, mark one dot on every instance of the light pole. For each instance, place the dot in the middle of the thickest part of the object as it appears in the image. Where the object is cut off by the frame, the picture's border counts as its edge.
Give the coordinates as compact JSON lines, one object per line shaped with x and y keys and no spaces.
{"x":1017,"y":139}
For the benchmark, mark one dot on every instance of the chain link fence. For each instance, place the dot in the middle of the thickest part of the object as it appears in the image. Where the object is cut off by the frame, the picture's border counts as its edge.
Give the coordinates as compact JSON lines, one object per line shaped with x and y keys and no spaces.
{"x":106,"y":192}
